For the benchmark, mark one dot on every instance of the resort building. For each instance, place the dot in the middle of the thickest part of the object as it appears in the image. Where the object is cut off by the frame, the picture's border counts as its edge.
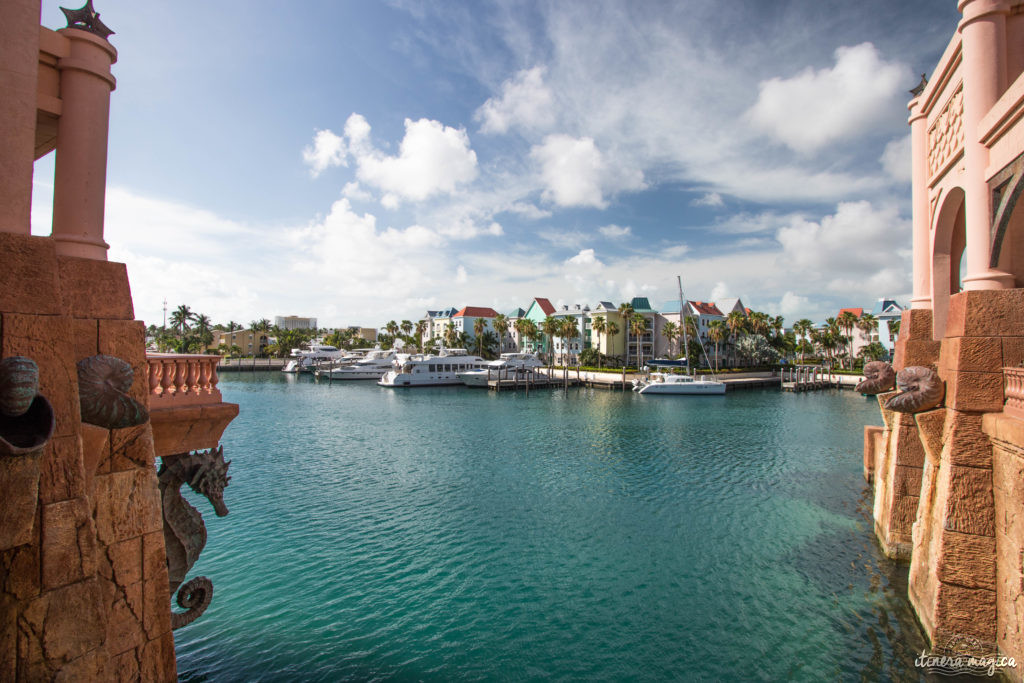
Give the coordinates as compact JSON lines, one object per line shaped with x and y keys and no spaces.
{"x":511,"y":341}
{"x":608,"y":344}
{"x":568,"y":350}
{"x":437,"y":323}
{"x":888,"y":313}
{"x":539,"y":309}
{"x":702,"y":314}
{"x":248,"y":342}
{"x":294,"y":322}
{"x":465,"y":320}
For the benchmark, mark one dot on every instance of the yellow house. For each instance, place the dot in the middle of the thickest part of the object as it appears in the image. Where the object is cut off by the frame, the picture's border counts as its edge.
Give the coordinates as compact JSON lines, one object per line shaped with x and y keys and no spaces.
{"x":251,"y":343}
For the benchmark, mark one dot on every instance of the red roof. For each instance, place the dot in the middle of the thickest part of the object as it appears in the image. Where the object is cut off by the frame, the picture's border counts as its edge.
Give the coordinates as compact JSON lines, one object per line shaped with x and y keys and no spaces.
{"x":476,"y":312}
{"x":749,"y":311}
{"x":545,"y":306}
{"x":705,"y":308}
{"x":856,"y":311}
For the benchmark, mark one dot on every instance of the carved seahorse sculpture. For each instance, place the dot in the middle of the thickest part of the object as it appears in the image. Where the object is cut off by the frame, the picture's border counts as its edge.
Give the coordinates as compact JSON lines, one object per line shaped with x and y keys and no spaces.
{"x":184,"y":532}
{"x":920,"y":388}
{"x":878,"y":377}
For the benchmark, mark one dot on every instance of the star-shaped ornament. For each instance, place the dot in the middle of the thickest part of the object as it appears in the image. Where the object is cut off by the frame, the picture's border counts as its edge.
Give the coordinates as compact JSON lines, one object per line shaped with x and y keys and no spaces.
{"x":87,"y":19}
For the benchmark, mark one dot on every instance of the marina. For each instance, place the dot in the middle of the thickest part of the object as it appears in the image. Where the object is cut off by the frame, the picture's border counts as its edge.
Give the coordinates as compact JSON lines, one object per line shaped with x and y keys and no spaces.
{"x":589,"y":534}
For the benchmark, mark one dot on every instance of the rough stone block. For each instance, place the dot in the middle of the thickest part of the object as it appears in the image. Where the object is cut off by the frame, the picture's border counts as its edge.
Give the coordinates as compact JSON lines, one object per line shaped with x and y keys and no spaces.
{"x":156,"y":605}
{"x":19,"y":482}
{"x":909,"y":449}
{"x":189,"y":428}
{"x":930,"y":427}
{"x":968,"y":443}
{"x":61,"y":475}
{"x":970,"y":507}
{"x":873,"y":443}
{"x":124,"y":628}
{"x":126,"y":339}
{"x":1013,"y":351}
{"x":916,"y":352}
{"x":124,"y":668}
{"x":158,"y":662}
{"x":19,"y":568}
{"x":971,"y":354}
{"x":888,"y":416}
{"x":8,"y":637}
{"x":127,"y":505}
{"x":154,"y":556}
{"x":92,"y":666}
{"x":980,"y":392}
{"x":94,"y":289}
{"x":126,"y":561}
{"x":28,"y":278}
{"x":71,"y":619}
{"x":986,"y":313}
{"x":47,"y":341}
{"x":84,"y":337}
{"x":131,"y":447}
{"x":69,"y":543}
{"x":1009,"y":597}
{"x":95,"y":454}
{"x":963,"y":611}
{"x":967,"y":560}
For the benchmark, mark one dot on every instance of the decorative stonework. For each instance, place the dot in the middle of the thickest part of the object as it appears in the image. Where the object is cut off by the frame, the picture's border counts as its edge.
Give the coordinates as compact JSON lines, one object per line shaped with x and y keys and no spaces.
{"x":946,"y":135}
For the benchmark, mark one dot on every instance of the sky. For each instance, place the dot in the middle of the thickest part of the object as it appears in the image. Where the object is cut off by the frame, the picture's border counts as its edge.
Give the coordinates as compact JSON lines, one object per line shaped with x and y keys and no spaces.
{"x":360,"y":161}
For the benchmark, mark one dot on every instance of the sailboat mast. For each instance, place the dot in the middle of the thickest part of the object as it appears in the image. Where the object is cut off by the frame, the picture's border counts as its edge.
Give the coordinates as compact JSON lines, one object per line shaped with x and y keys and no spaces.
{"x":682,"y":322}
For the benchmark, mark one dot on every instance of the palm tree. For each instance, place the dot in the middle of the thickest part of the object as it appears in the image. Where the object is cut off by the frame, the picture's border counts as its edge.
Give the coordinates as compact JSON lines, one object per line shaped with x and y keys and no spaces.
{"x":451,"y":335}
{"x":479,"y":326}
{"x":522,"y":326}
{"x":203,"y":325}
{"x":717,"y":332}
{"x":638,"y":326}
{"x":500,"y":325}
{"x":421,"y":329}
{"x":180,"y":319}
{"x":802,"y":328}
{"x":392,"y":328}
{"x":867,"y":325}
{"x":894,"y":327}
{"x":611,"y":328}
{"x":626,"y":311}
{"x":847,"y":320}
{"x":232,"y":326}
{"x":670,"y":331}
{"x":568,"y":331}
{"x":599,"y":325}
{"x":549,"y":327}
{"x":406,"y":327}
{"x":737,"y":324}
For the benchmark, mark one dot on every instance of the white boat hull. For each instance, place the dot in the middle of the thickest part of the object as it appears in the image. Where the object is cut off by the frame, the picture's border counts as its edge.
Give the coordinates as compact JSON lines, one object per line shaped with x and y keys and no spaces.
{"x":345,"y":374}
{"x":688,"y":388}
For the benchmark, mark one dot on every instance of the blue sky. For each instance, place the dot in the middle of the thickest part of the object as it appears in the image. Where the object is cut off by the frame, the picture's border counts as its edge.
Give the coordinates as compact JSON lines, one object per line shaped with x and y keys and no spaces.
{"x":366,"y":161}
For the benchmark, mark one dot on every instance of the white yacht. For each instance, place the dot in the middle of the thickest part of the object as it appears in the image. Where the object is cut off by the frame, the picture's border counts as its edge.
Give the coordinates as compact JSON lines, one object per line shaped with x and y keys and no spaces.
{"x":303,"y":360}
{"x":670,"y":383}
{"x":429,"y":370}
{"x":507,"y":366}
{"x":371,"y":366}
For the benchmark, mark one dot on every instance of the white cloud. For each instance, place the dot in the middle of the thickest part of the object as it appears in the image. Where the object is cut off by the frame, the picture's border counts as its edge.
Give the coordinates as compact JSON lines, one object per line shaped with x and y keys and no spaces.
{"x":896,"y":159}
{"x":525,"y":102}
{"x":614,"y":232}
{"x":570,"y":239}
{"x":460,"y":275}
{"x":585,"y":258}
{"x":575,"y":172}
{"x":328,"y":150}
{"x":527,"y":210}
{"x":433,"y":159}
{"x":353,"y":191}
{"x":710,"y":199}
{"x":816,"y":108}
{"x":720,"y":291}
{"x":792,"y":303}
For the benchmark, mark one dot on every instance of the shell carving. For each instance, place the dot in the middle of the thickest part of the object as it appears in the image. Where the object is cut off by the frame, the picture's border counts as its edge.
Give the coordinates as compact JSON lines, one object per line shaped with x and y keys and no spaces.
{"x":920,"y":389}
{"x":878,"y":377}
{"x":19,"y":384}
{"x":26,"y":417}
{"x":103,"y":385}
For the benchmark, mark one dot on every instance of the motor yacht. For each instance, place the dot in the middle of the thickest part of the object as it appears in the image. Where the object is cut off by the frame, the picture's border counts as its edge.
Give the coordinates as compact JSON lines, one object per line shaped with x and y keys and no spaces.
{"x":372,"y":366}
{"x":306,"y":360}
{"x":507,"y":366}
{"x":421,"y":370}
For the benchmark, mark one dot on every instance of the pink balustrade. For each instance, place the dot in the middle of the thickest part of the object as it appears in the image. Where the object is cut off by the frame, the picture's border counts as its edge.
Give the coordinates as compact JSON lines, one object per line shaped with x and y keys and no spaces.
{"x":1013,"y":392}
{"x":182,"y":379}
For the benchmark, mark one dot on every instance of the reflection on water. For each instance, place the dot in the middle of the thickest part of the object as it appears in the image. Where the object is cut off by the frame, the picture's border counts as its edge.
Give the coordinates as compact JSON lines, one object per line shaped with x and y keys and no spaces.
{"x":453,"y":533}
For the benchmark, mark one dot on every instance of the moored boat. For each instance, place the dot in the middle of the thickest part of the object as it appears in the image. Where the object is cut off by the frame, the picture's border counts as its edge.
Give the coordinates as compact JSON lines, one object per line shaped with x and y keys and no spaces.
{"x":422,"y":370}
{"x":507,"y":366}
{"x":670,"y":383}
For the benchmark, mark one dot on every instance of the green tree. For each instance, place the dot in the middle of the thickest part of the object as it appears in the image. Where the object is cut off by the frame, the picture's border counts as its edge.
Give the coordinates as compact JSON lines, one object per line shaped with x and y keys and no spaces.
{"x":500,"y":325}
{"x":421,"y":329}
{"x":180,"y":319}
{"x":479,"y":327}
{"x":846,"y":321}
{"x":670,"y":331}
{"x":568,"y":331}
{"x":717,"y":332}
{"x":803,"y":328}
{"x":599,"y":325}
{"x":626,"y":311}
{"x":550,"y":327}
{"x":638,"y":326}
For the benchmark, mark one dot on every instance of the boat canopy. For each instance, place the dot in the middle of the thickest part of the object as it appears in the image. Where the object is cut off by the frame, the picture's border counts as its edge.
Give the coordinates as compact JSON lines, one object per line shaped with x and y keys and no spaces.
{"x":665,"y":363}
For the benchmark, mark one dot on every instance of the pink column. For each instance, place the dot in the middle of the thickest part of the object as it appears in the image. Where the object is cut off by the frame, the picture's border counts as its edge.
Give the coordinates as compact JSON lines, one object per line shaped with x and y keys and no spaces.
{"x":919,"y":200}
{"x":80,"y":180}
{"x":19,"y":67}
{"x":983,"y":31}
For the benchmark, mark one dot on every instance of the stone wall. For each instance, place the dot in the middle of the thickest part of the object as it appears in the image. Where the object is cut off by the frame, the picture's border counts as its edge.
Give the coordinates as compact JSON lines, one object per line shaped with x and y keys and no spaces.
{"x":83,"y":585}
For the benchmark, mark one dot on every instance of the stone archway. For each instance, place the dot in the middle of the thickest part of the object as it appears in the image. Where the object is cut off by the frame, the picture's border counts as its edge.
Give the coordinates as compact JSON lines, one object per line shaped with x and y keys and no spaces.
{"x":948,"y":245}
{"x":1008,"y":223}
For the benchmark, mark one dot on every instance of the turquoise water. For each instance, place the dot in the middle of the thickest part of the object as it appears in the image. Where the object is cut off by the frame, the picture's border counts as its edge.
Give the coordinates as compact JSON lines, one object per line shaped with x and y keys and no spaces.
{"x":448,"y":533}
